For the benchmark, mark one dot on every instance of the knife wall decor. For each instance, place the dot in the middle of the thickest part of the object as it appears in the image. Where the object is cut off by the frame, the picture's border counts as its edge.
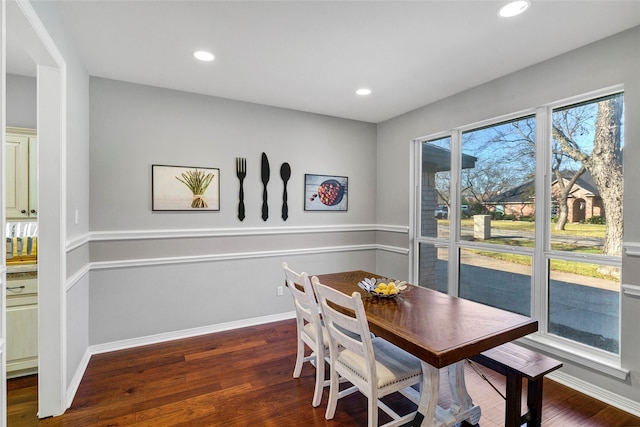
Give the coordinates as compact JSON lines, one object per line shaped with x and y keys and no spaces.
{"x":264,"y":174}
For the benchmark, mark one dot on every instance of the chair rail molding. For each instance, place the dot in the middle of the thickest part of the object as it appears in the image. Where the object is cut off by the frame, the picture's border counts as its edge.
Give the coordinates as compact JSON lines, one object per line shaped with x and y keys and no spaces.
{"x":631,"y":290}
{"x":129,"y":263}
{"x":631,"y":249}
{"x":99,"y":236}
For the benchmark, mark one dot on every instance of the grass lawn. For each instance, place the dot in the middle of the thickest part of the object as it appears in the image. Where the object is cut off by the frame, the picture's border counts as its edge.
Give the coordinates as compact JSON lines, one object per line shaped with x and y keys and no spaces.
{"x":581,"y":268}
{"x":583,"y":230}
{"x":571,"y":229}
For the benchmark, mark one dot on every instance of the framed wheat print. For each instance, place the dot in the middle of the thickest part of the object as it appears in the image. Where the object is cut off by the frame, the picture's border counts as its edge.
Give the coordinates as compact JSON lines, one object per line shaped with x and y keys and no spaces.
{"x":184,"y":188}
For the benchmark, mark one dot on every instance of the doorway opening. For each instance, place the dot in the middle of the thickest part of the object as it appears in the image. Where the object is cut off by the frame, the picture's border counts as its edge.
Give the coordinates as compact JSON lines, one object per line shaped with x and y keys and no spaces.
{"x":24,"y":29}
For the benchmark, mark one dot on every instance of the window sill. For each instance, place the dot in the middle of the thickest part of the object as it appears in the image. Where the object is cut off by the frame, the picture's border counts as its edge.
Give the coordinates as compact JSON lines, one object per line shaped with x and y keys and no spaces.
{"x":597,"y":360}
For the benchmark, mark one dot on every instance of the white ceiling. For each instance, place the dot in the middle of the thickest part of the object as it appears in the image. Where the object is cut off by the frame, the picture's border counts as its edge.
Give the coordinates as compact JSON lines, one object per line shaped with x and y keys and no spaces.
{"x":313,"y":55}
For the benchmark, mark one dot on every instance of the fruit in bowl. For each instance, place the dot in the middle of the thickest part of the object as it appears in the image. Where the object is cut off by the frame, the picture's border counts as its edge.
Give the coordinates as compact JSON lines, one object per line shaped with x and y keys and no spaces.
{"x":382,"y":287}
{"x":330,"y":192}
{"x":386,"y":289}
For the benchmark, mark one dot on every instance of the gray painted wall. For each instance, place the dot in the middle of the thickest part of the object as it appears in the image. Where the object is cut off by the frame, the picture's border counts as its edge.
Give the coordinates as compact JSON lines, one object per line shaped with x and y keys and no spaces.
{"x":135,"y":126}
{"x":227,"y":270}
{"x":612,"y":61}
{"x":21,"y":101}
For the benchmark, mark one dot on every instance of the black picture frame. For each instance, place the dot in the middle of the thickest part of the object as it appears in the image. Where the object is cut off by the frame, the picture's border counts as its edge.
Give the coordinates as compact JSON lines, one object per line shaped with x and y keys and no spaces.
{"x":170,"y":190}
{"x":329,"y":193}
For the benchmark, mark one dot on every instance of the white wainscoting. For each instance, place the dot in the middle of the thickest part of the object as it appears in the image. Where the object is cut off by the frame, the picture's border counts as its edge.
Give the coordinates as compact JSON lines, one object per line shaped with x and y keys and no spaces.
{"x":599,"y":393}
{"x":77,"y":242}
{"x":114,"y":236}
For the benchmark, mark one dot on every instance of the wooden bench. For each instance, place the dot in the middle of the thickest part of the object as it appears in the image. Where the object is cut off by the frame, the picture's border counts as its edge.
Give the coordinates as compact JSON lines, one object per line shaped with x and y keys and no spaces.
{"x":516,"y":363}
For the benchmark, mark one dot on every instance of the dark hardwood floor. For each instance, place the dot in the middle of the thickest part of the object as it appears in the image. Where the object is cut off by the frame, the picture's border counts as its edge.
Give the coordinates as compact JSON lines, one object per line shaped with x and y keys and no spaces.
{"x":244,"y":378}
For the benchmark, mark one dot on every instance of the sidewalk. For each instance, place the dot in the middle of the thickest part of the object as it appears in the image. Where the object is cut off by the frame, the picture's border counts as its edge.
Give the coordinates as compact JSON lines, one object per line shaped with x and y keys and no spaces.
{"x":497,"y":264}
{"x":588,"y":314}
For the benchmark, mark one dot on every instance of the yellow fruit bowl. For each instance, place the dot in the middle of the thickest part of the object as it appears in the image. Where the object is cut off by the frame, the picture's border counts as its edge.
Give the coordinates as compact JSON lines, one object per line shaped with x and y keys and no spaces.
{"x":383,"y":288}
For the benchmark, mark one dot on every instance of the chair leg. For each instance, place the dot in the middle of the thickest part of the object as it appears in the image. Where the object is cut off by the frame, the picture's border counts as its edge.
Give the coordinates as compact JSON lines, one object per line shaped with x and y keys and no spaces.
{"x":372,"y":410}
{"x":299,"y":359}
{"x":334,"y":390}
{"x":317,"y":393}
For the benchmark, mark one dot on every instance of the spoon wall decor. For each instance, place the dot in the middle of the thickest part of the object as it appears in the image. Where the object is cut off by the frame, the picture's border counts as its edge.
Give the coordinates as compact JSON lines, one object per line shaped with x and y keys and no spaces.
{"x":285,"y":174}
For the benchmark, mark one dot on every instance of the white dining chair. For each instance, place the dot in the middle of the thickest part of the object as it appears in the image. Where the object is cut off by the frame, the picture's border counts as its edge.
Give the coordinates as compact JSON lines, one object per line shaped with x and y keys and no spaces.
{"x":309,"y":329}
{"x":373,"y":365}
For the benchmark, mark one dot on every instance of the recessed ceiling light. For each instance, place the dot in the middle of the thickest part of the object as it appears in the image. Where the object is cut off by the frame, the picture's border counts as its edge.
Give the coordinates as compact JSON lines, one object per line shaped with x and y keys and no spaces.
{"x":363,"y":91}
{"x":514,"y":8}
{"x":203,"y":55}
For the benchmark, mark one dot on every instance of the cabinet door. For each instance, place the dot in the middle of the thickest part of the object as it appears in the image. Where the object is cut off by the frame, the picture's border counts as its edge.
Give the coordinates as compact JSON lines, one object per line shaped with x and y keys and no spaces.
{"x":17,"y":176}
{"x":22,"y":337}
{"x":33,"y":177}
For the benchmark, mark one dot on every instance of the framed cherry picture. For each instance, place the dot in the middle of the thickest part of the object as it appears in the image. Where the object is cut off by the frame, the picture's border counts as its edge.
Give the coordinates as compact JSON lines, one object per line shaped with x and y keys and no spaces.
{"x":325,"y":192}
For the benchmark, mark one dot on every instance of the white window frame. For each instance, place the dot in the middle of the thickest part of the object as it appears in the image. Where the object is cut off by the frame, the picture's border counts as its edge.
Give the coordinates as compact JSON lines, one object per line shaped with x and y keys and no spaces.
{"x":585,"y":355}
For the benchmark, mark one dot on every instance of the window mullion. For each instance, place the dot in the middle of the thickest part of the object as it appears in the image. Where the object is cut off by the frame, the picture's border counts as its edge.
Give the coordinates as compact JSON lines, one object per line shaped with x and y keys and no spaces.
{"x":414,"y":210}
{"x":540,"y":272}
{"x":454,"y":213}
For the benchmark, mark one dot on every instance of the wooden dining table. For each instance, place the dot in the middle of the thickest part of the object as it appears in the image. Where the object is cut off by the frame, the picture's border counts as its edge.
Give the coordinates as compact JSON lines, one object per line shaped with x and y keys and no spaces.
{"x":442,"y":331}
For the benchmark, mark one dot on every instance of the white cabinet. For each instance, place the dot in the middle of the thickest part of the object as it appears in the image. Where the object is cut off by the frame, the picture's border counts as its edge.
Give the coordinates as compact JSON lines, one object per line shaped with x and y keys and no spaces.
{"x":21,"y":174}
{"x":22,"y":326}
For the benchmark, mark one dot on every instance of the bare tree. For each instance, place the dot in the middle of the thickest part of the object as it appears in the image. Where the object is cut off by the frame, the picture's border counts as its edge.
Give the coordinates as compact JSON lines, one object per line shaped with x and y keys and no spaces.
{"x":604,"y":163}
{"x":561,"y":194}
{"x":508,"y":162}
{"x":487,"y":181}
{"x":442,"y":187}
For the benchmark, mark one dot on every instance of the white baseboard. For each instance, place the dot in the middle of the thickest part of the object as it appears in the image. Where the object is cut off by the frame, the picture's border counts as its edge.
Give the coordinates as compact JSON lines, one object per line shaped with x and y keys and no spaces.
{"x":77,"y":378}
{"x":187,"y":333}
{"x":153,"y":339}
{"x":596,"y":392}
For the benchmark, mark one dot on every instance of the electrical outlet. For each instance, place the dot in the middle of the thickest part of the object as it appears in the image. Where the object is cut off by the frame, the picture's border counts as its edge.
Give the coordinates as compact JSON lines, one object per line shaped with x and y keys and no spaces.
{"x":279,"y":291}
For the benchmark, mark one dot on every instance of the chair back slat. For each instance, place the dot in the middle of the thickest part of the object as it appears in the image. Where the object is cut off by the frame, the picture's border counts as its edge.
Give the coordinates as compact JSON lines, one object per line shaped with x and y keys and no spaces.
{"x":345,"y":320}
{"x":357,"y":357}
{"x":303,"y":297}
{"x":310,"y":331}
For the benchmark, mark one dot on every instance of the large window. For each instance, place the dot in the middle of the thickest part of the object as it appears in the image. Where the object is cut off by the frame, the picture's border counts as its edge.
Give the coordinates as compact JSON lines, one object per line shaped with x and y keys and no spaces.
{"x":500,"y":182}
{"x":528,"y":217}
{"x":586,"y":234}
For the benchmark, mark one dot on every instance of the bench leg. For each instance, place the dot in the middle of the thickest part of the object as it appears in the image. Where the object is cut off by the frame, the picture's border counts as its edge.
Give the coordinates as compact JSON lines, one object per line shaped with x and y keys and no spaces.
{"x":513,"y":410}
{"x":534,"y":402}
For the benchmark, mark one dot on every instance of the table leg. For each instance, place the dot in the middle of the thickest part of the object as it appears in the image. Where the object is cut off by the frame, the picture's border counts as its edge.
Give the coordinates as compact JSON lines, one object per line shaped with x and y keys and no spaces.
{"x":429,"y":392}
{"x":461,"y":398}
{"x":462,"y":408}
{"x":462,"y":402}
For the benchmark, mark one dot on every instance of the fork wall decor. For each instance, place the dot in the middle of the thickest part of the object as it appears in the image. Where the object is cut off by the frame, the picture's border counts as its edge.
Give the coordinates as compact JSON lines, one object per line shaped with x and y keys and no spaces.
{"x":241,"y":173}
